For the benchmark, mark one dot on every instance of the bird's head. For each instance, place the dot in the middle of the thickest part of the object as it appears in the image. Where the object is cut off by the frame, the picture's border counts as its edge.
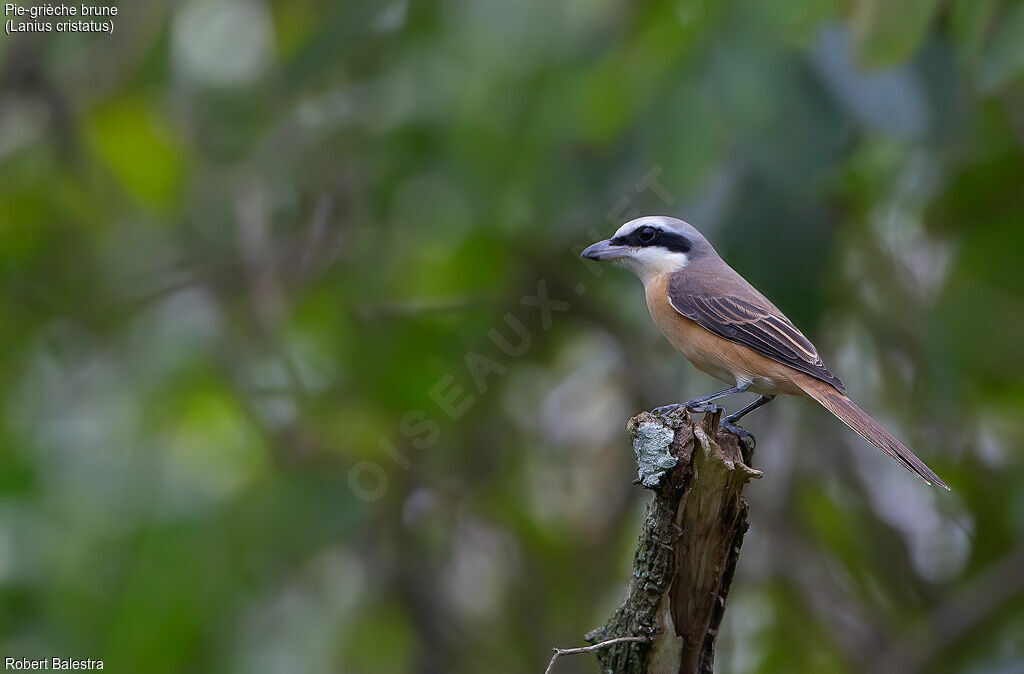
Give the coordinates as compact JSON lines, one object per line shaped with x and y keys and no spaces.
{"x":651,"y":246}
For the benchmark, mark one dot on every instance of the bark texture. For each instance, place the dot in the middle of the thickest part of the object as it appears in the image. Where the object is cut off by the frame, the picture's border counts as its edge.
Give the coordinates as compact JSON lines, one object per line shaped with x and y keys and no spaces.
{"x":688,"y":548}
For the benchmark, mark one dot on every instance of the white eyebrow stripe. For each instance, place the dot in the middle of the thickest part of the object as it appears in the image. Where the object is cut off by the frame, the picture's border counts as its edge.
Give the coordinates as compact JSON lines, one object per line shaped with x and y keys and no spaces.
{"x":634,"y":225}
{"x":623,"y":231}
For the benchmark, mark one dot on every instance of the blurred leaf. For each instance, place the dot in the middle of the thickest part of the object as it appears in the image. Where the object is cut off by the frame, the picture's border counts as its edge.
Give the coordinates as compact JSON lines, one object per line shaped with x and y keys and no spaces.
{"x":970,"y":21}
{"x":140,"y":147}
{"x":381,"y":643}
{"x":797,"y":640}
{"x":796,"y":22}
{"x":889,"y":32}
{"x":1003,"y":57}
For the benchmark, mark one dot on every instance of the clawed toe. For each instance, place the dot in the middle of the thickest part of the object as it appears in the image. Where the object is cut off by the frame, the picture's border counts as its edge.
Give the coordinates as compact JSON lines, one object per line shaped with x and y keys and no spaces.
{"x":665,"y":410}
{"x":744,"y":435}
{"x":706,"y":409}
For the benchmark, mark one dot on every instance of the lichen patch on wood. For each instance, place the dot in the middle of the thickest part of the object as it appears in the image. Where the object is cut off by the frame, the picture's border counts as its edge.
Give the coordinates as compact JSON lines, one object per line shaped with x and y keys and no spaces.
{"x":651,"y":444}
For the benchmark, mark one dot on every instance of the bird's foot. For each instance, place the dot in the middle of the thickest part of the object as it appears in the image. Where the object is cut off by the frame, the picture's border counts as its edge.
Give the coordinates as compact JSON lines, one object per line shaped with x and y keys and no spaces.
{"x":708,"y":408}
{"x":745,"y":436}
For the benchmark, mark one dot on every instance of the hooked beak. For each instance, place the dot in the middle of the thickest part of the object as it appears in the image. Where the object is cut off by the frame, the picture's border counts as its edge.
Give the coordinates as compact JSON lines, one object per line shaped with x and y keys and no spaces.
{"x":602,"y":250}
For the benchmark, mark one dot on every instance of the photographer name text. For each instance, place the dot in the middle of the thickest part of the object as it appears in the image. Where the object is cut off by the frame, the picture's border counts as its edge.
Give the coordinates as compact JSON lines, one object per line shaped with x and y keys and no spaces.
{"x":56,"y":664}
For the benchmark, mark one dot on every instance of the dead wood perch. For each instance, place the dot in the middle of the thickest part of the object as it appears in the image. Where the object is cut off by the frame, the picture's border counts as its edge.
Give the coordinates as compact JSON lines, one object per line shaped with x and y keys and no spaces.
{"x":688,"y":549}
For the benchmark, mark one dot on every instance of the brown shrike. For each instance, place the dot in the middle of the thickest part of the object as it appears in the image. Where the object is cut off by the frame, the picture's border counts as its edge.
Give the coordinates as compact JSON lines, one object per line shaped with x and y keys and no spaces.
{"x":729,"y":330}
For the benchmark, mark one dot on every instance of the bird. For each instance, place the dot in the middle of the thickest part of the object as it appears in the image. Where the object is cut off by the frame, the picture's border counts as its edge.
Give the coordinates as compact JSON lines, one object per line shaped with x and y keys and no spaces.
{"x":726,"y":328}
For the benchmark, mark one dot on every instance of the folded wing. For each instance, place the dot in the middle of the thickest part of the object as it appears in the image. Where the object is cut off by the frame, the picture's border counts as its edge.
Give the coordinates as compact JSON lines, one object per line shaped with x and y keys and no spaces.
{"x":752,"y":321}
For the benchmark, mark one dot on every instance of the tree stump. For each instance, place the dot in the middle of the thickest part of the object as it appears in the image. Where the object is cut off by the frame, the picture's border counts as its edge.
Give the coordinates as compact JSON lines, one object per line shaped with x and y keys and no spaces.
{"x":688,"y":549}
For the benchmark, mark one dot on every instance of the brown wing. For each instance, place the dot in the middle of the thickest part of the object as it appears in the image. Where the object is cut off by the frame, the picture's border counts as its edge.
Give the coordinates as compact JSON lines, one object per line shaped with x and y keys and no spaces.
{"x":758,"y":325}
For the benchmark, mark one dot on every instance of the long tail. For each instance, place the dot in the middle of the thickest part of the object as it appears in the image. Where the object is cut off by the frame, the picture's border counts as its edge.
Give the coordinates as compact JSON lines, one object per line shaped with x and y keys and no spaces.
{"x":869,"y":429}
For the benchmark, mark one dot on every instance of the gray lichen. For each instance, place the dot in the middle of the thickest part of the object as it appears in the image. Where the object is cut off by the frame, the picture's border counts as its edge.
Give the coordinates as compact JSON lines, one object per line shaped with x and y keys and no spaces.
{"x":653,"y":458}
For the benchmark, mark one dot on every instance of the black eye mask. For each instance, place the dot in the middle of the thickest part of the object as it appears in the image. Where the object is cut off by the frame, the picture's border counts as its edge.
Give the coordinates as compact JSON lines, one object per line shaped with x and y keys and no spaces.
{"x":647,"y":237}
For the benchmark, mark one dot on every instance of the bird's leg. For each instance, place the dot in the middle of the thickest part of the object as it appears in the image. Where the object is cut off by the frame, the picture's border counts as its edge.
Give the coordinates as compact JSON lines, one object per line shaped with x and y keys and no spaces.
{"x":729,"y":423}
{"x":736,"y":416}
{"x":700,"y":404}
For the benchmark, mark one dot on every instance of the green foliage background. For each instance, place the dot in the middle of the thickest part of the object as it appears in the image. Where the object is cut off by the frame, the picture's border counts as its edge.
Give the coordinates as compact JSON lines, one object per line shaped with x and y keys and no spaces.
{"x":242,"y":242}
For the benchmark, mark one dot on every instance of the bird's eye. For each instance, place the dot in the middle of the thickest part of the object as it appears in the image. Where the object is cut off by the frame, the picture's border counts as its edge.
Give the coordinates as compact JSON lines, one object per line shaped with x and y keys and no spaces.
{"x":647,"y":234}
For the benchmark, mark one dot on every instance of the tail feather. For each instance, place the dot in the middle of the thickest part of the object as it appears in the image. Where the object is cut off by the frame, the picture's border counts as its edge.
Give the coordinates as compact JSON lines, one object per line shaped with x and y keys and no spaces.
{"x":869,"y":429}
